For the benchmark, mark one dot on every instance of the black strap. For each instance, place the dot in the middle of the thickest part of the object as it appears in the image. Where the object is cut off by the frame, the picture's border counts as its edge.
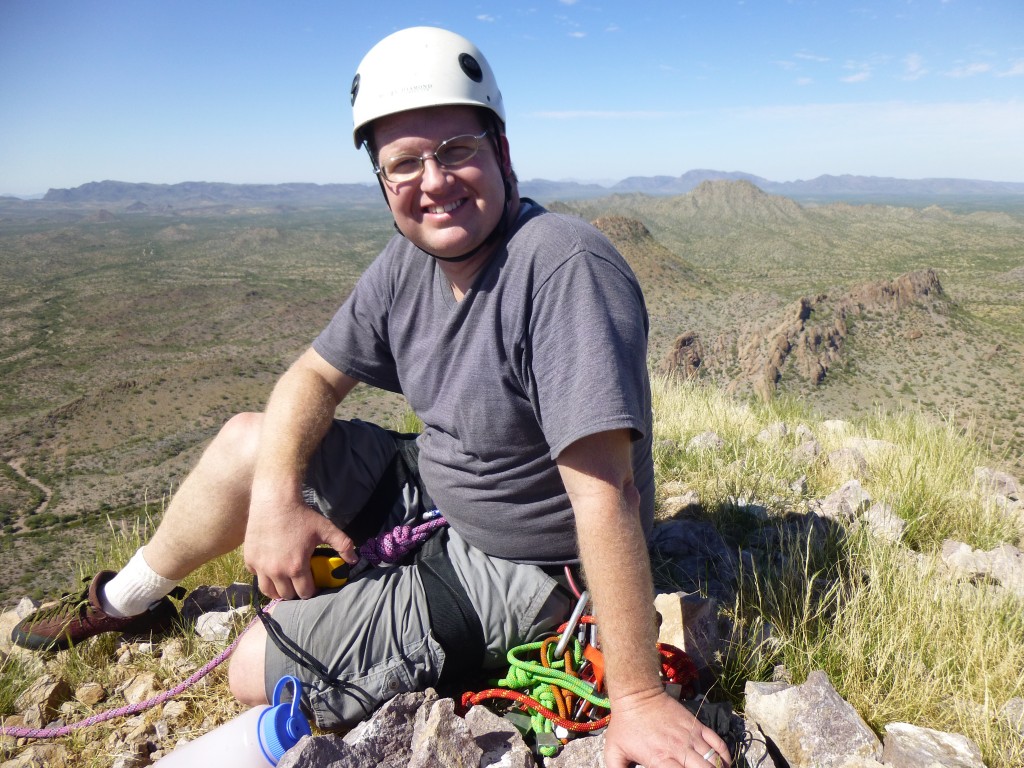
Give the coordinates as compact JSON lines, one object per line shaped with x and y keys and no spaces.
{"x":303,"y":658}
{"x":453,"y":620}
{"x":401,"y":471}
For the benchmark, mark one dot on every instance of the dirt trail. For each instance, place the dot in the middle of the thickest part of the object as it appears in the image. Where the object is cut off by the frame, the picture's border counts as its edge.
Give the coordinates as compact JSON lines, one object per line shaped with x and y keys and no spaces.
{"x":16,"y":465}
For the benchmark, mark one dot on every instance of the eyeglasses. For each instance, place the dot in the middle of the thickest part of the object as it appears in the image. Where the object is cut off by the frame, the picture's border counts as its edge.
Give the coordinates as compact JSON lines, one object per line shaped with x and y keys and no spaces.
{"x":452,"y":153}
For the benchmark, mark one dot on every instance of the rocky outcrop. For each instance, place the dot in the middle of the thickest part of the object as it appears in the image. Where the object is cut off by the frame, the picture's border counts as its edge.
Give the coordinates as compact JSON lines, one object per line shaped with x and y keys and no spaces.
{"x":805,"y":340}
{"x":685,"y":358}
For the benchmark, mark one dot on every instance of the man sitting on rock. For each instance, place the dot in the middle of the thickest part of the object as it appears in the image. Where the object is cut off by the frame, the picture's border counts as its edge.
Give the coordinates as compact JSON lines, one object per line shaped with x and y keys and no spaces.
{"x":518,"y":337}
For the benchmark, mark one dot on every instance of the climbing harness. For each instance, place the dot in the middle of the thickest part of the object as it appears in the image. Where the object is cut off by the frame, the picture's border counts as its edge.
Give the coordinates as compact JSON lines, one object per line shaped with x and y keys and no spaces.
{"x":389,"y":547}
{"x":554,"y":688}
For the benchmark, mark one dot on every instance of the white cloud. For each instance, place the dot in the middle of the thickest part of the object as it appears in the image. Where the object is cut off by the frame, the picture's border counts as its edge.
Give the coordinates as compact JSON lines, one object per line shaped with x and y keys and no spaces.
{"x":810,"y":57}
{"x":913,"y":67}
{"x":485,"y":17}
{"x":578,"y":35}
{"x":861,"y":72}
{"x":1016,"y":70}
{"x":803,"y":81}
{"x":857,"y":77}
{"x":969,"y":70}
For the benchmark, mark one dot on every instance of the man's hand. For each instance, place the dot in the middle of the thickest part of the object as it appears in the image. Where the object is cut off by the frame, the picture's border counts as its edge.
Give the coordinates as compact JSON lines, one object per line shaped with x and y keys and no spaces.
{"x":279,"y":541}
{"x":653,"y":729}
{"x":282,"y":531}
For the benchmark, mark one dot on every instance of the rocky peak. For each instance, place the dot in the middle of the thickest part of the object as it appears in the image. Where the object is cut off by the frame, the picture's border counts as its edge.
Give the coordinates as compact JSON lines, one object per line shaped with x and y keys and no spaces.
{"x":806,"y":338}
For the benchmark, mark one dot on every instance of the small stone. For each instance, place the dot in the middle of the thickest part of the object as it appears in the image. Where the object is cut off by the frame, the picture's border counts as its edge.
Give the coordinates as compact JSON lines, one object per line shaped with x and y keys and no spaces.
{"x":141,"y":688}
{"x":174,"y":709}
{"x":90,"y":694}
{"x":706,"y":441}
{"x":44,"y":698}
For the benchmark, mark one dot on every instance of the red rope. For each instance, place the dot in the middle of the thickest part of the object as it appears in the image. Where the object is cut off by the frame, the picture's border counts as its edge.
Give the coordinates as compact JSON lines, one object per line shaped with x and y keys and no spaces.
{"x":469,"y":698}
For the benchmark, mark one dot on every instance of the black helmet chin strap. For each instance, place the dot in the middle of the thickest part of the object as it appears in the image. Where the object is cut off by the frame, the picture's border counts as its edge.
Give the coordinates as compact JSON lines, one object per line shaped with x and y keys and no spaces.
{"x":500,"y":229}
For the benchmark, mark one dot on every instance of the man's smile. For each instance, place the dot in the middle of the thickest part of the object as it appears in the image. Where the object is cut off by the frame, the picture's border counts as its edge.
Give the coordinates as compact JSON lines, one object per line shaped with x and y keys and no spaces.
{"x":446,"y":208}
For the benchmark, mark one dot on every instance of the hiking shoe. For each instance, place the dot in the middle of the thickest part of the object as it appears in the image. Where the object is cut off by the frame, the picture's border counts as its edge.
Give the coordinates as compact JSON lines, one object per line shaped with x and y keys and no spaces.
{"x":75,"y":618}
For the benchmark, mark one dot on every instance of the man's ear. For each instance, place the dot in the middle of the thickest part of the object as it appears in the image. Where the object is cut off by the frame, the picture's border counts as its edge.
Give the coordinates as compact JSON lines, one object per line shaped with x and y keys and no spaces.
{"x":506,"y":155}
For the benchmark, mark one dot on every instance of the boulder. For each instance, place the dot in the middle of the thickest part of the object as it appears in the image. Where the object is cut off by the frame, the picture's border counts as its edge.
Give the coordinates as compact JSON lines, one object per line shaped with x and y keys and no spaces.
{"x":811,"y":725}
{"x":908,"y":746}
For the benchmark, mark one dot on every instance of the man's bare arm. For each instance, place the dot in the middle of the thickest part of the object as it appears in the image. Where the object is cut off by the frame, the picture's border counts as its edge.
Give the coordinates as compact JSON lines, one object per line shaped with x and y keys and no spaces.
{"x":647,"y":726}
{"x":282,"y":531}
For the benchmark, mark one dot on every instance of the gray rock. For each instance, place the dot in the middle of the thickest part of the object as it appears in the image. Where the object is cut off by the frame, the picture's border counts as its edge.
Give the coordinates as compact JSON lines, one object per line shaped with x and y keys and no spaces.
{"x":1006,"y":565}
{"x":206,"y":599}
{"x":845,"y":504}
{"x":803,"y":433}
{"x":1013,"y":713}
{"x":385,"y":739}
{"x":216,"y":626}
{"x":756,"y":753}
{"x":806,"y":452}
{"x":685,"y":504}
{"x":994,"y":481}
{"x":869,"y":447}
{"x":811,"y":724}
{"x":773,"y":433}
{"x":908,"y":746}
{"x":501,"y":742}
{"x":442,"y":739}
{"x":1003,"y":564}
{"x":705,"y":441}
{"x":690,"y":623}
{"x":883,"y":523}
{"x":320,"y":752}
{"x":848,"y":461}
{"x":836,"y":426}
{"x":579,"y":753}
{"x":26,"y":607}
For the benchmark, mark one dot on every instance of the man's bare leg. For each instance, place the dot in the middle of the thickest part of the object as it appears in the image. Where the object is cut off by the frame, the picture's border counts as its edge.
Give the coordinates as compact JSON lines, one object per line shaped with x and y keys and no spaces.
{"x":207,"y":516}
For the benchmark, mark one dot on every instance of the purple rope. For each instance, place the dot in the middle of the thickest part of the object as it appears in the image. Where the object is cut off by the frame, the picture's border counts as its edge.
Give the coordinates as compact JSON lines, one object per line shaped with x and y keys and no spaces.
{"x":389,"y":547}
{"x":131,"y":709}
{"x":393,"y":546}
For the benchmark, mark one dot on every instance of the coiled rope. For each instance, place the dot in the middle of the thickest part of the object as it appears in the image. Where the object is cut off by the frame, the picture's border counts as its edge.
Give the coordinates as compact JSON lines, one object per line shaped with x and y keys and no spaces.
{"x":546,"y":689}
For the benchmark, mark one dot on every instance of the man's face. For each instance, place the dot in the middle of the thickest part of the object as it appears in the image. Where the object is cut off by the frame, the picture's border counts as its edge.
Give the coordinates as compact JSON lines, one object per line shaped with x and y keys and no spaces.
{"x":447,"y":211}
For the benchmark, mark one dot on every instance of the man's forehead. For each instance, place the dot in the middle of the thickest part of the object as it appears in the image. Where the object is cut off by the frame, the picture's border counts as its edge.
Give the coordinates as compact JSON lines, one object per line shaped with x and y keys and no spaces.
{"x":433,"y":123}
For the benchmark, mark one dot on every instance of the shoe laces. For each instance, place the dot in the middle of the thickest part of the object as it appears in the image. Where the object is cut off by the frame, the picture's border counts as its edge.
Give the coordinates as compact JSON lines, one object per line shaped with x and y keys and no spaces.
{"x":68,"y":605}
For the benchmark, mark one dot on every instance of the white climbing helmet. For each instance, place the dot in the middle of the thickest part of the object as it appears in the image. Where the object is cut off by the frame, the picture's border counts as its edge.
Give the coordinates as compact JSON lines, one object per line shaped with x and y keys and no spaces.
{"x":421,"y":67}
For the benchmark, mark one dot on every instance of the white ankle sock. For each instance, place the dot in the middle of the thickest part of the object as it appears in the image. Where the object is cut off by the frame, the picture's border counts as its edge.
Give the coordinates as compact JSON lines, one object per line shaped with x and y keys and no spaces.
{"x":134,"y":588}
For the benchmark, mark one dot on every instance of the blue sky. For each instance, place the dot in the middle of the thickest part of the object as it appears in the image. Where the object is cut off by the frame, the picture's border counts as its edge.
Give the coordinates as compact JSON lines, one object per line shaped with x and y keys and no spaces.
{"x":598,"y":90}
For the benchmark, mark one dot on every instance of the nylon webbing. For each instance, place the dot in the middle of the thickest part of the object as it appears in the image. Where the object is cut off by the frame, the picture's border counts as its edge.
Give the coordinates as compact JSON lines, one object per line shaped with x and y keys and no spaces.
{"x":453,"y":619}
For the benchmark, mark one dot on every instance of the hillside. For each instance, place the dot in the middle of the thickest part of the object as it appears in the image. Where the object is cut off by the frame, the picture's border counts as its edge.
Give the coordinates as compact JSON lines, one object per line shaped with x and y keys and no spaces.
{"x":129,"y":337}
{"x":764,"y":260}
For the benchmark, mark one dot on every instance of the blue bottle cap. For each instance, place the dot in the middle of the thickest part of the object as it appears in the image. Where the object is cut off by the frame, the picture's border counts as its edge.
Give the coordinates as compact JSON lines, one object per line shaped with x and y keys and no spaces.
{"x":282,"y":725}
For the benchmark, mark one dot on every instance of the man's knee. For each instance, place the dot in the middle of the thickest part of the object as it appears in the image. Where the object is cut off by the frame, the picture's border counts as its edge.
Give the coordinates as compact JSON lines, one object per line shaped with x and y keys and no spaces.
{"x":240,"y":435}
{"x":246,"y":671}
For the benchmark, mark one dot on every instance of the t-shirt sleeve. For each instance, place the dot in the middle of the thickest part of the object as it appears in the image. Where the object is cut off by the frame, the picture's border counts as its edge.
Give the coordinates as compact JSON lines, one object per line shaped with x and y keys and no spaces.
{"x":589,"y":351}
{"x":356,"y":341}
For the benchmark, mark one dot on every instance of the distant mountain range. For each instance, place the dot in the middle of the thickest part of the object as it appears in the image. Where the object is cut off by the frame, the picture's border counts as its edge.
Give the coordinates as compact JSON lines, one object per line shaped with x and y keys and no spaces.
{"x":190,"y":194}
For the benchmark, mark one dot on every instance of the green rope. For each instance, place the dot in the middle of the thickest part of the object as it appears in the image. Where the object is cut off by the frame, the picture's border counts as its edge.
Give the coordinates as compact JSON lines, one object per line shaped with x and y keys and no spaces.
{"x":525,"y":674}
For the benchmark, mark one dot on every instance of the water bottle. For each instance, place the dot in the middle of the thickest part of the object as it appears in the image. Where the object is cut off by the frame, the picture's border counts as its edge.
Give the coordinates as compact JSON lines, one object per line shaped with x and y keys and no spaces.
{"x":255,"y":739}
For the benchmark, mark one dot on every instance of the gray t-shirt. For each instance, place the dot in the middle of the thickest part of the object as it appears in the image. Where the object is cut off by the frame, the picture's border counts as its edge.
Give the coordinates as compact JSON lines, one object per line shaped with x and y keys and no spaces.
{"x":547,"y":347}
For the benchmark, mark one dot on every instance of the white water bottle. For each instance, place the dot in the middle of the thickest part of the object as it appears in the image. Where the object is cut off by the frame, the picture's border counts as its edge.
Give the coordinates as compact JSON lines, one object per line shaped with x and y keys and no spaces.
{"x":255,"y":739}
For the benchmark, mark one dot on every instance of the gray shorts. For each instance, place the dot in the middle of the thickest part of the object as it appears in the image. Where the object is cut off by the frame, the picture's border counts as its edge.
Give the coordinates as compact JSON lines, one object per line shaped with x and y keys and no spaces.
{"x":373,"y":634}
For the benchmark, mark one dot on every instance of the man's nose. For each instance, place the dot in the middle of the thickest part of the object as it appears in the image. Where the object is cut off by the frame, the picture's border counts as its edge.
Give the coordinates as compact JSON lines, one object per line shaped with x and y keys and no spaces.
{"x":434,"y":174}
